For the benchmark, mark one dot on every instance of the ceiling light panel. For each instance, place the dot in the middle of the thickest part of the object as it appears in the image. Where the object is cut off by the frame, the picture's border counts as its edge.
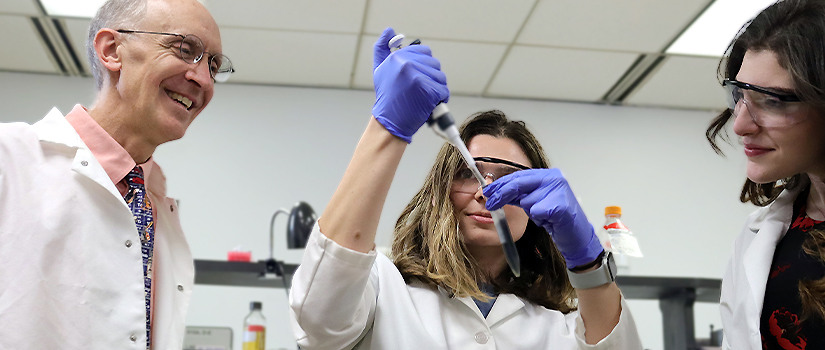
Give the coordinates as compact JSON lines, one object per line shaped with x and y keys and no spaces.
{"x":74,"y":8}
{"x":713,"y":31}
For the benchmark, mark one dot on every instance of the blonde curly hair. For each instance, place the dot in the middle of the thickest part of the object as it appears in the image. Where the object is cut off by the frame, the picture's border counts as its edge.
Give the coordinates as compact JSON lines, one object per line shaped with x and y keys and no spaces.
{"x":427,"y":245}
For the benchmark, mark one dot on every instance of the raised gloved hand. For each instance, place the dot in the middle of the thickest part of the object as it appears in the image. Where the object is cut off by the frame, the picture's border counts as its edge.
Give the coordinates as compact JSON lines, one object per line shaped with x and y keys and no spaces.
{"x":547,"y":198}
{"x":409,"y":83}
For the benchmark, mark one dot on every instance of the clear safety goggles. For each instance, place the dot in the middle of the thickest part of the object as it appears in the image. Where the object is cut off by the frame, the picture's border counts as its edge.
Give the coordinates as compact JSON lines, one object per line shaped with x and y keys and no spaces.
{"x":767,"y":108}
{"x":490,"y":168}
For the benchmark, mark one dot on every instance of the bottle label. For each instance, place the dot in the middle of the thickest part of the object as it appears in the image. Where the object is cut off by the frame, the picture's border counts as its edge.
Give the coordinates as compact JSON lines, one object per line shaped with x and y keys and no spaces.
{"x":616,"y":225}
{"x":619,"y":239}
{"x":254,"y":338}
{"x":623,"y":242}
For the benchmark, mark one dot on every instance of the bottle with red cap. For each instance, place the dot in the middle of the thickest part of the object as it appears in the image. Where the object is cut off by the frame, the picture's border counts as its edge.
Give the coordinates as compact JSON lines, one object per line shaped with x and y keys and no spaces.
{"x":254,"y":328}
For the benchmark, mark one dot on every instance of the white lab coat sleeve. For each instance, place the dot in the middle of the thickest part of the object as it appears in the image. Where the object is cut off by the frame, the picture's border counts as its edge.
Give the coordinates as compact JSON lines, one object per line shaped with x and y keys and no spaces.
{"x":624,"y":335}
{"x":332,"y":298}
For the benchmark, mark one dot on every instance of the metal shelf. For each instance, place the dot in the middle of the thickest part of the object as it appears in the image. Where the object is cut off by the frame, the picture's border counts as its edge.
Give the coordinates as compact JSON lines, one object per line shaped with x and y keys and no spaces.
{"x":268,"y":274}
{"x":676,"y":297}
{"x":641,"y":287}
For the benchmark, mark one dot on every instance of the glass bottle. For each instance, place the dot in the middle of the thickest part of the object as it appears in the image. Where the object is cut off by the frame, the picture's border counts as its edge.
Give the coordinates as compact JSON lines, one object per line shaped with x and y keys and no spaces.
{"x":254,"y":328}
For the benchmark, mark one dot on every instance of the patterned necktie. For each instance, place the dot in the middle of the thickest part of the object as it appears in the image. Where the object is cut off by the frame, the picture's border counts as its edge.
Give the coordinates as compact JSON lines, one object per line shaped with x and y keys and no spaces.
{"x":138,"y":201}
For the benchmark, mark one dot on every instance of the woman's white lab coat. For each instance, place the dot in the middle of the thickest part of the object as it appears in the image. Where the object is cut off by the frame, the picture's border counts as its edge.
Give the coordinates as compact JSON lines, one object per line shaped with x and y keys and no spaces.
{"x":743,"y":285}
{"x":343,"y":299}
{"x":71,"y":271}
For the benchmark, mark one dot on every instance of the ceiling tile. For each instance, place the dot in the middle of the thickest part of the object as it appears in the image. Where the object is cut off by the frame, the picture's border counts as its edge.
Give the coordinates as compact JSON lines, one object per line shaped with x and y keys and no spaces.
{"x":362,"y":74}
{"x":684,"y":82}
{"x":559,"y":74}
{"x":311,"y":15}
{"x":20,"y":7}
{"x":77,"y":29}
{"x":468,"y":66}
{"x":639,"y":25}
{"x":29,"y":53}
{"x":289,"y":58}
{"x":477,"y":20}
{"x":569,"y":50}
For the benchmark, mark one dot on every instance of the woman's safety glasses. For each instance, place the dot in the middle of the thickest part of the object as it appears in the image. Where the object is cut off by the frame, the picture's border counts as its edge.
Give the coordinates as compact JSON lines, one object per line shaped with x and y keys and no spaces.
{"x":490,"y":168}
{"x":767,"y":108}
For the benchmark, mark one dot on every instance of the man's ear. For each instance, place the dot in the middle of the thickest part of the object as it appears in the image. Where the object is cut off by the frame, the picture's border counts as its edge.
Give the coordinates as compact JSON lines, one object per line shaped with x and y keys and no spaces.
{"x":106,"y":44}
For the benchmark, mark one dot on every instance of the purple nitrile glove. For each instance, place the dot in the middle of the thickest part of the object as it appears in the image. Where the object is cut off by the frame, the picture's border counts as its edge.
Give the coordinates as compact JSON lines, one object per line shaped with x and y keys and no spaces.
{"x":409,"y":83}
{"x":547,"y":198}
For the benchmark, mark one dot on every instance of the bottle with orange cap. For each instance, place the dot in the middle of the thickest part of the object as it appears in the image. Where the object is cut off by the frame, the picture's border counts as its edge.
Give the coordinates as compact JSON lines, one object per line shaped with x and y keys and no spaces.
{"x":618,"y":238}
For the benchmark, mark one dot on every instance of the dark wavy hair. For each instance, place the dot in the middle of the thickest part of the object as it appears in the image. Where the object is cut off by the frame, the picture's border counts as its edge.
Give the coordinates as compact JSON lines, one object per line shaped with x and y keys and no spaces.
{"x":794,"y":30}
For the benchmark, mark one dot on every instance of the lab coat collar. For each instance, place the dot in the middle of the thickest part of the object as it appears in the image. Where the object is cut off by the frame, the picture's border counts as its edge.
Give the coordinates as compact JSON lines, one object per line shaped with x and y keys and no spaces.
{"x":505,"y":306}
{"x":55,"y":128}
{"x":782,"y":207}
{"x":769,"y":225}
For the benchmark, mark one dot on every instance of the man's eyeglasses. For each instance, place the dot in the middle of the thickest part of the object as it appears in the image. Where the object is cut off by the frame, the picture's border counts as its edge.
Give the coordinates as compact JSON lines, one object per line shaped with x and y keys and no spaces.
{"x":191,"y":50}
{"x":767,"y":108}
{"x":490,"y":168}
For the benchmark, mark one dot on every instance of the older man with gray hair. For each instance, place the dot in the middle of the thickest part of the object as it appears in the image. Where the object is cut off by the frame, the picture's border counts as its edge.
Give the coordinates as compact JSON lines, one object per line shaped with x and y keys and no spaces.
{"x":92,"y":248}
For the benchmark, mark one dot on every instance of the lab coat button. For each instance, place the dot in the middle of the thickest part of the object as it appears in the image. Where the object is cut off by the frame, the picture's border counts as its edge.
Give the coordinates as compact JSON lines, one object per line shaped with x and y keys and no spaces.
{"x":180,"y":287}
{"x":84,"y":163}
{"x":133,"y":338}
{"x":481,"y":338}
{"x":128,"y":243}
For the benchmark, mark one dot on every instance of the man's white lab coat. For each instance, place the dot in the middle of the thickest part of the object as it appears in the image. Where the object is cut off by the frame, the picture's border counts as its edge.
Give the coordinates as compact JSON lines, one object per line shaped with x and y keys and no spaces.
{"x":71,"y":272}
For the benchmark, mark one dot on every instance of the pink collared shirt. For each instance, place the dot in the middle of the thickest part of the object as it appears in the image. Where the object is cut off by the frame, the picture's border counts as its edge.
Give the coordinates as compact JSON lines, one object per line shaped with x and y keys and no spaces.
{"x":114,"y":159}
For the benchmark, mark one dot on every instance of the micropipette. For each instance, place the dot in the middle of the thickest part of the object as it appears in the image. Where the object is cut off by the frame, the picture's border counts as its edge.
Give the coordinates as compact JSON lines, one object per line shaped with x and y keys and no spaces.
{"x":443,"y":125}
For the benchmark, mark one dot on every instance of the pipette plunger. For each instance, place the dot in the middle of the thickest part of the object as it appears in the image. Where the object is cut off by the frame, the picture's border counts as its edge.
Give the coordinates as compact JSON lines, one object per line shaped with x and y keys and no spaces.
{"x":443,"y":125}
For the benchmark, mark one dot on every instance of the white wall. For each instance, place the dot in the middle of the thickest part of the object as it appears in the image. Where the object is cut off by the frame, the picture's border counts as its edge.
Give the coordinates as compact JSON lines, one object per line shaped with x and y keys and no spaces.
{"x":259,"y":148}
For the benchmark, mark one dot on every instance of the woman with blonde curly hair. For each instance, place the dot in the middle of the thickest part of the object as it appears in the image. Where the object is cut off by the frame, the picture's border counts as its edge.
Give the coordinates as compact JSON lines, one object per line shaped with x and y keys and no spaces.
{"x":428,"y":238}
{"x":448,"y":285}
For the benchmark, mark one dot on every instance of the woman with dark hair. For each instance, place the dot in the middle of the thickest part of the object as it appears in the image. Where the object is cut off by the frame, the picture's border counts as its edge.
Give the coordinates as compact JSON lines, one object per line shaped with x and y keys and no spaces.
{"x":447,"y":285}
{"x":773,"y":291}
